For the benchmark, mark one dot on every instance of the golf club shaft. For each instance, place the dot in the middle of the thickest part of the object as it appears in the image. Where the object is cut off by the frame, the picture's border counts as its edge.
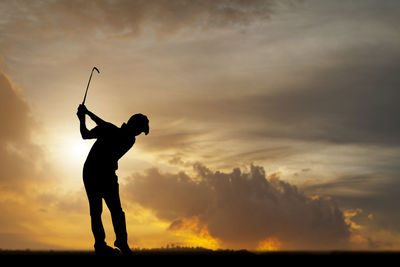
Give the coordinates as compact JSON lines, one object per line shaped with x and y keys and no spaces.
{"x":84,"y":98}
{"x":87,"y":88}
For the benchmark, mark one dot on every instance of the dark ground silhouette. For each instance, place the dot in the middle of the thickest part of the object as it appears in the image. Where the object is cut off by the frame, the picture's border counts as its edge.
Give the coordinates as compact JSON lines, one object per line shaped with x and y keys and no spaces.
{"x":99,"y":176}
{"x":188,"y":256}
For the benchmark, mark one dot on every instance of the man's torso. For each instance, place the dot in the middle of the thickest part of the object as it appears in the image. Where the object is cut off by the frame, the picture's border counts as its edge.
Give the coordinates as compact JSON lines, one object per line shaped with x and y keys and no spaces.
{"x":111,"y":144}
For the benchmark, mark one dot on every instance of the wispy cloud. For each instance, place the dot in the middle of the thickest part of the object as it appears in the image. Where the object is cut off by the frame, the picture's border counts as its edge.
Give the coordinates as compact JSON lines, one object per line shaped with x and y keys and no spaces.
{"x":125,"y":19}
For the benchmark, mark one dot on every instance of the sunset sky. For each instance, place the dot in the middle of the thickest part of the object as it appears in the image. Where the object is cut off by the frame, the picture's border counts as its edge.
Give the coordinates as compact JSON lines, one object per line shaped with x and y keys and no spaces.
{"x":274,"y":125}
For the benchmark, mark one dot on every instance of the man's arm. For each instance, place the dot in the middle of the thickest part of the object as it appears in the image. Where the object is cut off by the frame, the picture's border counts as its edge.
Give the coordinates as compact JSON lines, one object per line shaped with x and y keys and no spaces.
{"x":96,"y":119}
{"x":86,"y":134}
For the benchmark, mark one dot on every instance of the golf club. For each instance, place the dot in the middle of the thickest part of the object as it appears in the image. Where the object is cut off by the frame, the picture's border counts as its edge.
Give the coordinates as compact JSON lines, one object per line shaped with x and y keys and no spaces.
{"x":94,"y":68}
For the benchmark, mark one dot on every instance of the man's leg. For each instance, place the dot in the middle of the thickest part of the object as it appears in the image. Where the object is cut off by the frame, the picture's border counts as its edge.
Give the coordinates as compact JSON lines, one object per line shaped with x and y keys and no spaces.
{"x":94,"y":193}
{"x":96,"y":207}
{"x":118,"y":217}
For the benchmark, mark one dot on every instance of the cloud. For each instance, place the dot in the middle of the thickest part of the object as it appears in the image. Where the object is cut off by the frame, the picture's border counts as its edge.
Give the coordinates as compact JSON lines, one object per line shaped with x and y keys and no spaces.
{"x":240,"y":209}
{"x":122,"y":18}
{"x":20,"y":157}
{"x":167,"y":139}
{"x":14,"y":113}
{"x":24,"y":172}
{"x":348,"y":101}
{"x":375,"y":193}
{"x":322,"y":72}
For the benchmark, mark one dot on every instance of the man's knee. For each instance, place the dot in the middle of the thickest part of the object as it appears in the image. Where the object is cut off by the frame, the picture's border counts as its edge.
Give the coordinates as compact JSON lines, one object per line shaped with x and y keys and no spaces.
{"x":95,"y":212}
{"x":117,"y":212}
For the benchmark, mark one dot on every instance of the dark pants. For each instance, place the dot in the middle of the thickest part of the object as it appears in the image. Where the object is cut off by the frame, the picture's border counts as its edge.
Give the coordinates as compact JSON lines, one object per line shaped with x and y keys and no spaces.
{"x":104,"y":185}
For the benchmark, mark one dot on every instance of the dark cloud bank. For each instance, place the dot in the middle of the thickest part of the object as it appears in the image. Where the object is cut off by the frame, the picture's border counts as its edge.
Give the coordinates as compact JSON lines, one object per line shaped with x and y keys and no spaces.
{"x":353,"y":101}
{"x":241,"y":208}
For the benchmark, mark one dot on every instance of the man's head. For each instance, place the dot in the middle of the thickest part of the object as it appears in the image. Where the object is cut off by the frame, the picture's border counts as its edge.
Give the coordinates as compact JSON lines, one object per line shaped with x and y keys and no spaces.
{"x":138,"y":124}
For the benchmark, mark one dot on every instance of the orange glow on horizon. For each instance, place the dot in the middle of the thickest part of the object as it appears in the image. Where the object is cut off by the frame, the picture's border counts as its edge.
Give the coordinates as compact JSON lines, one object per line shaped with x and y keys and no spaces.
{"x":195,"y":234}
{"x":270,"y":244}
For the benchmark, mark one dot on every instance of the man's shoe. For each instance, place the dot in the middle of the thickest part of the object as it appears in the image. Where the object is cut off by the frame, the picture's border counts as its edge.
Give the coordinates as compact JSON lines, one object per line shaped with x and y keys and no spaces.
{"x":103,"y":249}
{"x":123,"y":247}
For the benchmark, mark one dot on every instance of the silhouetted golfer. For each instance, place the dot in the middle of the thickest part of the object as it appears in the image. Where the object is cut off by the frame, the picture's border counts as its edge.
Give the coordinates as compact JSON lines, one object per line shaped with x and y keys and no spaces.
{"x":99,"y":173}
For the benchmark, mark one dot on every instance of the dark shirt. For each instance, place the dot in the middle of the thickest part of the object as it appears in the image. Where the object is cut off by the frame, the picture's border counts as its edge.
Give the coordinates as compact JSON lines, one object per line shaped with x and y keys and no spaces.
{"x":111,"y":144}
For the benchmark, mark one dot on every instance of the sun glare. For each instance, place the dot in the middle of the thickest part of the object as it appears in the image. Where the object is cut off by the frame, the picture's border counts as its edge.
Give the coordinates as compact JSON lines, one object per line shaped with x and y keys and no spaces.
{"x":77,"y":150}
